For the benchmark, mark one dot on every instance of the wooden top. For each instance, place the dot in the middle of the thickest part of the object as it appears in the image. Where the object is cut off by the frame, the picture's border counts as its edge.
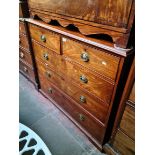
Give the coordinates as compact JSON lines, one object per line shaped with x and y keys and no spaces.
{"x":75,"y":35}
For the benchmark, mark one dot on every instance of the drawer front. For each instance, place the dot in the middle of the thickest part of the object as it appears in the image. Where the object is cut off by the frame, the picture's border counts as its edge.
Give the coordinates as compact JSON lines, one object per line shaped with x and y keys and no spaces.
{"x":128,"y":122}
{"x":85,"y":100}
{"x":91,"y":58}
{"x":87,"y":80}
{"x":46,"y":55}
{"x":25,"y":56}
{"x":26,"y":70}
{"x":82,"y":118}
{"x":22,"y":28}
{"x":124,"y":144}
{"x":45,"y":37}
{"x":23,"y":41}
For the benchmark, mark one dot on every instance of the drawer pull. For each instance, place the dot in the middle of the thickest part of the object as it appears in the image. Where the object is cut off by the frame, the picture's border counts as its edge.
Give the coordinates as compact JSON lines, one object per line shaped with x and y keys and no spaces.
{"x":45,"y":56}
{"x":83,"y":79}
{"x":43,"y":38}
{"x":81,"y":117}
{"x":82,"y":99}
{"x":50,"y":91}
{"x":21,"y":54}
{"x":48,"y":74}
{"x":85,"y":57}
{"x":25,"y":69}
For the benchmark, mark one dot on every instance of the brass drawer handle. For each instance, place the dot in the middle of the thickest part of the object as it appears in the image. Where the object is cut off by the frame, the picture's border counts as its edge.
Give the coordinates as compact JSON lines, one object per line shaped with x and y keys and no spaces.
{"x":81,"y":117}
{"x":21,"y":54}
{"x":45,"y":56}
{"x":85,"y":57}
{"x":50,"y":91}
{"x":43,"y":38}
{"x":48,"y":74}
{"x":25,"y":69}
{"x":82,"y":99}
{"x":83,"y":79}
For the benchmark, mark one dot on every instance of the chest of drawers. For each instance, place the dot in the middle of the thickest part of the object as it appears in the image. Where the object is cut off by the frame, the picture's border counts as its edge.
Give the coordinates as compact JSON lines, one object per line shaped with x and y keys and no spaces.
{"x":80,"y":75}
{"x":26,"y":63}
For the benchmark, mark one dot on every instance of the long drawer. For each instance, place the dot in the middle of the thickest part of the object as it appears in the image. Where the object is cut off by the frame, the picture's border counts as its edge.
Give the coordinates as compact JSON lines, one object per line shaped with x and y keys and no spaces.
{"x":25,"y":56}
{"x":45,"y":37}
{"x":23,"y":41}
{"x":90,"y":103}
{"x":91,"y":58}
{"x":26,"y":70}
{"x":80,"y":116}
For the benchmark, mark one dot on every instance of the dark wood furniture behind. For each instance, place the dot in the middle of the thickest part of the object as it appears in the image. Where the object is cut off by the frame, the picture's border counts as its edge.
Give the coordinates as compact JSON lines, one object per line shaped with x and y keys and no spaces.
{"x":110,"y":17}
{"x":123,"y":138}
{"x":26,"y":58}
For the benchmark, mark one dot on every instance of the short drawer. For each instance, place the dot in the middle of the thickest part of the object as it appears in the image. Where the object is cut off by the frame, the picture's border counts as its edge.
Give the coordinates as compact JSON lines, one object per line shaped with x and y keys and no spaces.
{"x":92,"y":58}
{"x":23,"y":41}
{"x":90,"y":103}
{"x":83,"y":119}
{"x":22,"y":28}
{"x":45,"y":37}
{"x":26,"y":70}
{"x":124,"y":144}
{"x":128,"y":122}
{"x":25,"y":56}
{"x":88,"y":80}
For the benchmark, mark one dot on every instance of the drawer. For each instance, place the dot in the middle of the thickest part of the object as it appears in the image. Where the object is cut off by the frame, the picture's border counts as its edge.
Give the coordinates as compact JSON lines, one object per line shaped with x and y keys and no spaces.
{"x":88,"y":80}
{"x":22,"y":29}
{"x":83,"y":119}
{"x":27,"y":70}
{"x":128,"y":122}
{"x":45,"y":37}
{"x":91,"y":58}
{"x":25,"y":56}
{"x":23,"y":41}
{"x":124,"y":144}
{"x":90,"y":103}
{"x":46,"y":55}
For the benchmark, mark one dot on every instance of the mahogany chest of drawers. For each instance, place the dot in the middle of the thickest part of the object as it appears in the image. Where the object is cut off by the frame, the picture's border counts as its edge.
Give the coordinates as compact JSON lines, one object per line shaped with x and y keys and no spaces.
{"x":78,"y":54}
{"x":26,"y":63}
{"x":79,"y":74}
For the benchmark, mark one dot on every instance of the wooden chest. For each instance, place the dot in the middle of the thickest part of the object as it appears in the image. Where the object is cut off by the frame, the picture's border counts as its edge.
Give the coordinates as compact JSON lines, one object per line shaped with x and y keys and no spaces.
{"x":110,"y":17}
{"x":80,"y":75}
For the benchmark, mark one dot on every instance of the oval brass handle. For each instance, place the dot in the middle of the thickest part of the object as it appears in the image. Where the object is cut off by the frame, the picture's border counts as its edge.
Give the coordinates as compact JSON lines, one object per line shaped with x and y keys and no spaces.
{"x":83,"y":79}
{"x":43,"y":38}
{"x":81,"y":117}
{"x":48,"y":74}
{"x":85,"y":57}
{"x":25,"y":69}
{"x":50,"y":90}
{"x":82,"y":99}
{"x":21,"y":54}
{"x":45,"y":56}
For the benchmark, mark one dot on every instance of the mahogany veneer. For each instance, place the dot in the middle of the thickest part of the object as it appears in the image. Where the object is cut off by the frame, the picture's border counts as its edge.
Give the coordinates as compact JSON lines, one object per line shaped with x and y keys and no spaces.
{"x":81,"y":75}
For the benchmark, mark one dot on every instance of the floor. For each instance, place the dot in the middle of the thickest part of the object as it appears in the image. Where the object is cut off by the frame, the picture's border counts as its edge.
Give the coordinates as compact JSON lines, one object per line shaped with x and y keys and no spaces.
{"x":57,"y":131}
